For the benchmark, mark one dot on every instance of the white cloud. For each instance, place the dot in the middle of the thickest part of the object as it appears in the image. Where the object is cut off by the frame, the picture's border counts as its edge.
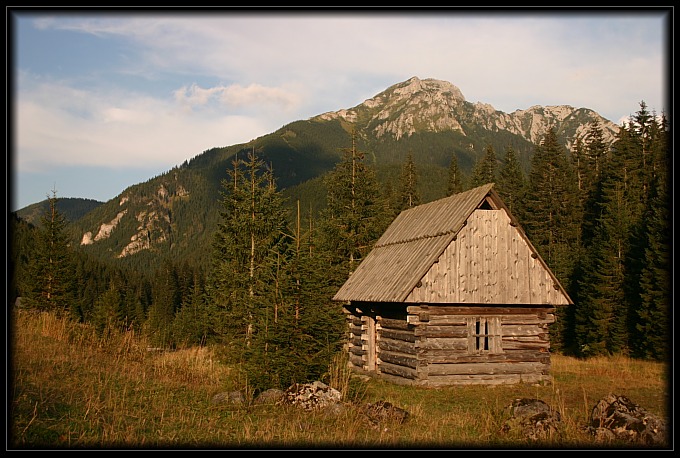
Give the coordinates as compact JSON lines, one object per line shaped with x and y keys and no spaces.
{"x":153,"y":90}
{"x":253,"y":97}
{"x":55,"y":127}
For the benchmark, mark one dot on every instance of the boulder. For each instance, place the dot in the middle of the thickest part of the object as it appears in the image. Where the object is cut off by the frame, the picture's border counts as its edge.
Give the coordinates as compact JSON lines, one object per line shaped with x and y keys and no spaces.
{"x":533,"y":418}
{"x":615,"y":417}
{"x":310,"y":396}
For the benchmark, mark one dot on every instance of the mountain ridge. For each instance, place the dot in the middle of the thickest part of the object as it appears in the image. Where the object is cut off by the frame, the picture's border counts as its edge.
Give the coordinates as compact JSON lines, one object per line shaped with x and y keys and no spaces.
{"x":407,"y":99}
{"x":175,"y":213}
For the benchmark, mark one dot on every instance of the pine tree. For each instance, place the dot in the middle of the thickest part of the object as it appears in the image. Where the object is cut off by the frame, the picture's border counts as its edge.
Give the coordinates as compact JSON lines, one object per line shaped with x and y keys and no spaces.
{"x":551,"y":219}
{"x":590,"y":156}
{"x":409,"y":196}
{"x":653,"y":326}
{"x":305,"y":329}
{"x":107,"y":311}
{"x":355,"y":216}
{"x":166,"y":301}
{"x":511,"y":182}
{"x":455,"y":178}
{"x":552,"y":212}
{"x":600,"y":311}
{"x":50,"y":281}
{"x":485,"y":169}
{"x":245,"y":285}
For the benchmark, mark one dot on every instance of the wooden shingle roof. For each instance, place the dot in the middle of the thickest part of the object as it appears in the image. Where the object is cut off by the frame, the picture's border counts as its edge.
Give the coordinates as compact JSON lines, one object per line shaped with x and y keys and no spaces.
{"x":412,"y":244}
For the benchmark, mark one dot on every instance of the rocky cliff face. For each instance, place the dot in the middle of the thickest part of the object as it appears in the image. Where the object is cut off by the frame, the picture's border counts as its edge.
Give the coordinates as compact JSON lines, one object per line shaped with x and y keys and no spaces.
{"x":153,"y":221}
{"x":437,"y":106}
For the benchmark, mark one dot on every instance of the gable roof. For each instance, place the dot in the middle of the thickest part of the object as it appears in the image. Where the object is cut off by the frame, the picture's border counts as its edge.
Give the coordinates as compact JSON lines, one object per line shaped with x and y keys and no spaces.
{"x":413,"y":242}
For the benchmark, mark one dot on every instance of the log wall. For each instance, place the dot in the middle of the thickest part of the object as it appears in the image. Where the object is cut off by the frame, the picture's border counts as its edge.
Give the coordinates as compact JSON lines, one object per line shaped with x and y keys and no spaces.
{"x":435,"y":345}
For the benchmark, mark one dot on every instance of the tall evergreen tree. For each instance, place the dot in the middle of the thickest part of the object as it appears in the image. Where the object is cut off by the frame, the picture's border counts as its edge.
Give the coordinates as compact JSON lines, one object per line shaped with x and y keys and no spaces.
{"x":455,"y":178}
{"x":551,"y":219}
{"x":191,"y":325}
{"x":355,"y":216}
{"x":107,"y":315}
{"x":253,"y":224}
{"x":600,"y":310}
{"x":552,"y":212}
{"x":166,"y":302}
{"x":590,"y":158}
{"x":49,"y":284}
{"x":652,"y":328}
{"x":616,"y":239}
{"x":485,"y":169}
{"x":511,"y":182}
{"x":305,"y":329}
{"x":249,"y":252}
{"x":409,"y":196}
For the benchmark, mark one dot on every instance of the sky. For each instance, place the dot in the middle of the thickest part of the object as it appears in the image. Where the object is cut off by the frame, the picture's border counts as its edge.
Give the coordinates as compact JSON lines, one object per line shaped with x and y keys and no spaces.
{"x":100,"y":100}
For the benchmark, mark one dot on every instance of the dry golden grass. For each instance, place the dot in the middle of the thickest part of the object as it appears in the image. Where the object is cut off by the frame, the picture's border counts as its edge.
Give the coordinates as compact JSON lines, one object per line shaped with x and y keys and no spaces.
{"x":72,"y":389}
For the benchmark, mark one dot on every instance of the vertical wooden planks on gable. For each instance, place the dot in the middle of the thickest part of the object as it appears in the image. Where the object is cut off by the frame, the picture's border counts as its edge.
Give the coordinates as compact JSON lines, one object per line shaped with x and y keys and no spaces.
{"x":505,"y":274}
{"x":473,"y":261}
{"x":462,"y":259}
{"x":487,"y":266}
{"x":521,"y":269}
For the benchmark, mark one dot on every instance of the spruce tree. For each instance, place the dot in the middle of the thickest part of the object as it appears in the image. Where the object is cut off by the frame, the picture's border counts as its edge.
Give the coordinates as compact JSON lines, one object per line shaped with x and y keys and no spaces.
{"x":551,"y":220}
{"x":552,"y":213}
{"x":305,"y":329}
{"x":253,"y":224}
{"x":590,"y":156}
{"x":49,"y":285}
{"x":614,"y":240}
{"x":166,"y":302}
{"x":355,"y":215}
{"x":652,"y":325}
{"x":511,"y":182}
{"x":107,"y":316}
{"x":191,"y":325}
{"x":649,"y":262}
{"x":409,"y":196}
{"x":600,"y":309}
{"x":246,"y":282}
{"x":455,"y":177}
{"x":485,"y":169}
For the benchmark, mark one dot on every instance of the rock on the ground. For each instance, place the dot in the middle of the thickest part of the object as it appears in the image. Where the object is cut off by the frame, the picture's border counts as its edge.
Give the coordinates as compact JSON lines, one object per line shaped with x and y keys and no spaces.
{"x":533,"y":418}
{"x":616,"y":417}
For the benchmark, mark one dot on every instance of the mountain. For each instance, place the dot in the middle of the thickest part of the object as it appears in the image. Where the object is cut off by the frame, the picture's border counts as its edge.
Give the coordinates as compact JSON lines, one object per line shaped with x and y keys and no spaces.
{"x":438,"y":106}
{"x":176,"y":213}
{"x":73,"y":208}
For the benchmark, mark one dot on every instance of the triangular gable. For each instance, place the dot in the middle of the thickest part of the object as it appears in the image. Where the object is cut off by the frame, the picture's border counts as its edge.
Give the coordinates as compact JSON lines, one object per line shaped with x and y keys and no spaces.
{"x":489,"y":262}
{"x":409,"y":247}
{"x":417,"y":239}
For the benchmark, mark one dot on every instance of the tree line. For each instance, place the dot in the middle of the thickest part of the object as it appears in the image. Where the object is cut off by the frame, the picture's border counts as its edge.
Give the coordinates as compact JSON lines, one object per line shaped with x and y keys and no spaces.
{"x":599,"y":216}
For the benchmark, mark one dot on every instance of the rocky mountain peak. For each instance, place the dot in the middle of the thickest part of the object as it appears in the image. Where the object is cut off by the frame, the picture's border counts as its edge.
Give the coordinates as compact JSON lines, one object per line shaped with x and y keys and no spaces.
{"x":431,"y":105}
{"x":415,"y":87}
{"x":407,"y":107}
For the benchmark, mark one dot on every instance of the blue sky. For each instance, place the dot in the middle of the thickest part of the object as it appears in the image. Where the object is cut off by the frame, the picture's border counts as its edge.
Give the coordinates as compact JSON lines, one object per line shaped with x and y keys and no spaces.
{"x":102,"y":100}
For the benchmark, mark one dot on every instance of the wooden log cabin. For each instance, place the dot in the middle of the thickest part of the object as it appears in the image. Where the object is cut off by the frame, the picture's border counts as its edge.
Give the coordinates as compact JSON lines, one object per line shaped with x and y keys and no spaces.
{"x":453,"y":293}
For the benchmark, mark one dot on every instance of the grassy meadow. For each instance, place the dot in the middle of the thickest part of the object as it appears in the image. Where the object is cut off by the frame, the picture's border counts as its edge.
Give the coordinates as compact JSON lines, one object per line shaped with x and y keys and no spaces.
{"x":71,"y":389}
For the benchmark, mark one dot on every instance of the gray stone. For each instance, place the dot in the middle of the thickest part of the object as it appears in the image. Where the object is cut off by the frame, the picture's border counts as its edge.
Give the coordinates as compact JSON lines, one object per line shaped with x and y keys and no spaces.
{"x":616,"y":417}
{"x":533,"y":418}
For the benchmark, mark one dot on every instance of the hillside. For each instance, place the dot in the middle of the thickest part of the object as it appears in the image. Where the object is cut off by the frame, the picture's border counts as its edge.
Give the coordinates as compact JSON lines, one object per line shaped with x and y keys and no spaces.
{"x":175,"y":214}
{"x":73,"y":208}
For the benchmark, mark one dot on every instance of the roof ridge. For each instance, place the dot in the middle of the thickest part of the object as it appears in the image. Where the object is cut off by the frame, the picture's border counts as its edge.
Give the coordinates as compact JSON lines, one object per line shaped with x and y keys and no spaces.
{"x":427,"y":236}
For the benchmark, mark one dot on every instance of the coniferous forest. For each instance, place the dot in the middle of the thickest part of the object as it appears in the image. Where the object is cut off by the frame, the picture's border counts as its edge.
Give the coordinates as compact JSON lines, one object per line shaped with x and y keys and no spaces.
{"x":599,"y":215}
